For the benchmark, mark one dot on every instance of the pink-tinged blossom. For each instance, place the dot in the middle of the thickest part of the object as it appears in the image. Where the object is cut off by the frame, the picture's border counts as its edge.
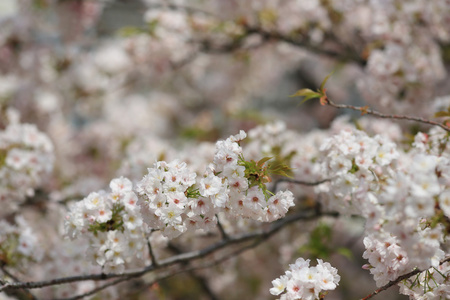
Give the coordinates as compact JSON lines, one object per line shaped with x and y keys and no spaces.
{"x":199,"y":206}
{"x":19,"y":243}
{"x":165,"y":191}
{"x":121,"y":185}
{"x":304,"y":282}
{"x":278,"y":205}
{"x":113,"y":224}
{"x":255,"y":200}
{"x":444,"y":202}
{"x":220,"y":199}
{"x":279,"y":285}
{"x":28,"y":157}
{"x":210,"y":185}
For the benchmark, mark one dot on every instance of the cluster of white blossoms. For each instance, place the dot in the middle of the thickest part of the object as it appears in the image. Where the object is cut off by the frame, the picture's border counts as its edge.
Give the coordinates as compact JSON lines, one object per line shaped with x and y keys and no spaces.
{"x":113,"y":224}
{"x":245,"y":182}
{"x":355,"y":163}
{"x":407,"y":210}
{"x":409,"y":65}
{"x":172,"y":199}
{"x":269,"y":138}
{"x":304,"y":282}
{"x":407,"y":229}
{"x":401,"y":195}
{"x":432,"y":284}
{"x":391,"y":255}
{"x":299,"y":151}
{"x":18,"y":243}
{"x":26,"y":159}
{"x":169,"y":195}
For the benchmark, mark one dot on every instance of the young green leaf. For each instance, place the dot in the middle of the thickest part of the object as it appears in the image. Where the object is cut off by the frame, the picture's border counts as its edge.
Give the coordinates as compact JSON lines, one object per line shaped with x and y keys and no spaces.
{"x":307,"y":93}
{"x":262,"y":161}
{"x":322,"y":85}
{"x":442,"y":114}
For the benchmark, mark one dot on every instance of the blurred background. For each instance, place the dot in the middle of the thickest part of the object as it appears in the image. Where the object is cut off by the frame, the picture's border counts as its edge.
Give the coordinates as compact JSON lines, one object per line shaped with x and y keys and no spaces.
{"x":119,"y":84}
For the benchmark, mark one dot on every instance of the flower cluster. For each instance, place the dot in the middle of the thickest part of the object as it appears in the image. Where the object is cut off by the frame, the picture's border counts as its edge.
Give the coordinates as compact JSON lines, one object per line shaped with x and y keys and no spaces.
{"x":299,"y":151}
{"x":304,"y":282}
{"x":355,"y":163}
{"x":248,"y":196}
{"x":113,"y":224}
{"x":172,"y":199}
{"x":430,"y":284}
{"x":26,"y":159}
{"x":168,"y":195}
{"x":404,"y":229}
{"x":18,"y":243}
{"x":399,"y":193}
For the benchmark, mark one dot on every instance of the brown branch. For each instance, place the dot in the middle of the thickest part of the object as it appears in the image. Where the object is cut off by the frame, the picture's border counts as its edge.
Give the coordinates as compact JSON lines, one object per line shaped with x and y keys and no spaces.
{"x":151,"y":253}
{"x":208,"y":264}
{"x":366,"y":110}
{"x":295,"y":181}
{"x":309,"y":183}
{"x":221,"y":229}
{"x":97,"y":289}
{"x":272,"y":35}
{"x":207,"y":46}
{"x":400,"y":278}
{"x":177,"y":259}
{"x":203,"y":282}
{"x":182,"y":8}
{"x":26,"y":293}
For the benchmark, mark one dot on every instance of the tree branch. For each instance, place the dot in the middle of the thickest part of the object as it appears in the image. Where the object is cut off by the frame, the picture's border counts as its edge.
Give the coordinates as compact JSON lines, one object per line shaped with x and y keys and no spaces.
{"x":366,"y":110}
{"x":97,"y":289}
{"x":177,"y":259}
{"x":398,"y":280}
{"x":26,"y":293}
{"x":207,"y":46}
{"x":295,"y":181}
{"x":203,"y":282}
{"x":343,"y":56}
{"x":221,"y":229}
{"x":151,"y":253}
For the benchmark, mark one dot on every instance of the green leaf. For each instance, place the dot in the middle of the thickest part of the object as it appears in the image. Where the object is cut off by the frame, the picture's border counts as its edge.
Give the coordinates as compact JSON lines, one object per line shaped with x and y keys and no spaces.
{"x":307,"y":93}
{"x":152,"y":26}
{"x":192,"y":192}
{"x":319,"y":245}
{"x":281,"y":169}
{"x":346,"y":252}
{"x":262,"y":161}
{"x":129,"y":31}
{"x":304,"y":93}
{"x":442,"y":114}
{"x":322,"y":85}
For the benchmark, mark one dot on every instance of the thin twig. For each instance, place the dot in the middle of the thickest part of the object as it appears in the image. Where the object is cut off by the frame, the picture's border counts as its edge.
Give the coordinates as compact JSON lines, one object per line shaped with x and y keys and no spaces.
{"x":295,"y":181}
{"x":151,"y":253}
{"x":221,"y":229}
{"x":177,"y":259}
{"x":183,"y":8}
{"x":207,"y":46}
{"x":272,"y":35}
{"x":309,"y":183}
{"x":203,"y":282}
{"x":171,"y":274}
{"x":400,"y":278}
{"x":13,"y":277}
{"x":97,"y":289}
{"x":205,"y":265}
{"x":16,"y":279}
{"x":366,"y":110}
